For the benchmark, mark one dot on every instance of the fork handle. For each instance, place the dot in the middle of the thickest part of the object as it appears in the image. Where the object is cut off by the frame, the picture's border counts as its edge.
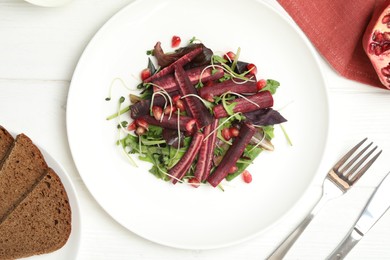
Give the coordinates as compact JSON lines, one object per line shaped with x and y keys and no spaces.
{"x":289,"y":241}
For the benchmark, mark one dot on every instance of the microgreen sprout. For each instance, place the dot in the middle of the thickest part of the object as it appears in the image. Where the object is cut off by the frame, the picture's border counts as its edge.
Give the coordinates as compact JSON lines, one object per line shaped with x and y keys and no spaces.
{"x":259,"y":142}
{"x":221,"y":124}
{"x":286,"y":135}
{"x":208,"y":104}
{"x":234,"y":63}
{"x":128,"y":156}
{"x":193,"y":40}
{"x":108,"y":98}
{"x":231,"y":74}
{"x":162,"y":91}
{"x":119,"y":113}
{"x":178,"y":135}
{"x":241,"y":96}
{"x":152,"y":101}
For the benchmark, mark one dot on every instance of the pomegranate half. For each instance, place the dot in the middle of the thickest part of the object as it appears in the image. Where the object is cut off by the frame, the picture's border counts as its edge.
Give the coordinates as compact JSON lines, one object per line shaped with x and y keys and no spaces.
{"x":376,"y":42}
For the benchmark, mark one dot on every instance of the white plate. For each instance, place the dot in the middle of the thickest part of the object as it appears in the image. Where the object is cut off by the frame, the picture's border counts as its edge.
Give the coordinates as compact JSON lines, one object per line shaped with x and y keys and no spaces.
{"x":71,"y":248}
{"x":181,"y":216}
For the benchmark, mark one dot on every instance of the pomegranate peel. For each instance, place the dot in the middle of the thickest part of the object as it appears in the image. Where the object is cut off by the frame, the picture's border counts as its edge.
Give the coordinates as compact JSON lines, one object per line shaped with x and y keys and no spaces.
{"x":376,"y":42}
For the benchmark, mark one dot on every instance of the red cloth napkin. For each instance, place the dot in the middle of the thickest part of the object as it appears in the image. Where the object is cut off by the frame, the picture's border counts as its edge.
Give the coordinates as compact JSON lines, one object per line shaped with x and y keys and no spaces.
{"x":336,"y":27}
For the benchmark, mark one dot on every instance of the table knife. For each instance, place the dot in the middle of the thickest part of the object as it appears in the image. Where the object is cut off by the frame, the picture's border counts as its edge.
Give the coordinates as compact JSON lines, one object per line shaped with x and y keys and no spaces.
{"x":377,"y":205}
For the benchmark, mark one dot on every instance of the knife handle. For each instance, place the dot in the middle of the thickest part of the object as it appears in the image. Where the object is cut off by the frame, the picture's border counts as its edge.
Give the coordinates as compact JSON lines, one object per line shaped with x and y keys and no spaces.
{"x":346,"y":245}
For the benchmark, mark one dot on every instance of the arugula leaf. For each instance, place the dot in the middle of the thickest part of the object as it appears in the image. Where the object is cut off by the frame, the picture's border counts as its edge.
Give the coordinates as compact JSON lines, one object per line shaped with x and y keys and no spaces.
{"x":225,"y":77}
{"x":129,"y":141}
{"x":271,"y":86}
{"x":218,"y":59}
{"x":154,"y":132}
{"x":249,"y":155}
{"x":269,"y":131}
{"x":229,"y":107}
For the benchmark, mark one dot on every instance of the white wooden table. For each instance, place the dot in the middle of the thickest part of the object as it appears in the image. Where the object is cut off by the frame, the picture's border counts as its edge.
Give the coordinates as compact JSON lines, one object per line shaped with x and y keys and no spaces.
{"x":39,"y":49}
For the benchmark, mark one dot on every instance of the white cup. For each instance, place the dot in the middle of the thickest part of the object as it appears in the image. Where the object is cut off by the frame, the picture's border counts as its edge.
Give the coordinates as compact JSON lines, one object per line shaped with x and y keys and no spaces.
{"x":49,"y":3}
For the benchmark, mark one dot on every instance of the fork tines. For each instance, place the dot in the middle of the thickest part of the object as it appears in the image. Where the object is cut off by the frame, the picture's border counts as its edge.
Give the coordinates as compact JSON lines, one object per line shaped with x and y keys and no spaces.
{"x":351,"y":169}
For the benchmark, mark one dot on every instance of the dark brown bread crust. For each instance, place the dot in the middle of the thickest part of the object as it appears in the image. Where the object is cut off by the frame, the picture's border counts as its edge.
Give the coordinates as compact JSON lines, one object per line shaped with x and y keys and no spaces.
{"x":6,"y":141}
{"x":40,"y":224}
{"x":20,"y":172}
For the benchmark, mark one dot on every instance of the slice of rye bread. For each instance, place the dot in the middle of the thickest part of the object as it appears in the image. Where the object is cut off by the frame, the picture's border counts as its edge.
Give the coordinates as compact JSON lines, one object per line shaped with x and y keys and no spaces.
{"x":6,"y":141}
{"x":20,"y":172}
{"x":40,"y":224}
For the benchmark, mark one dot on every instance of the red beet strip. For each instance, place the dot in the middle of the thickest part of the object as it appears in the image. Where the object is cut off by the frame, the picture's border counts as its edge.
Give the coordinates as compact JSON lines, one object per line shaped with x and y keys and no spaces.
{"x":169,"y":83}
{"x":186,"y":58}
{"x":186,"y":124}
{"x":195,"y":106}
{"x":233,"y":154}
{"x":182,"y":167}
{"x":206,"y":153}
{"x":263,"y":99}
{"x":217,"y":89}
{"x":142,"y":107}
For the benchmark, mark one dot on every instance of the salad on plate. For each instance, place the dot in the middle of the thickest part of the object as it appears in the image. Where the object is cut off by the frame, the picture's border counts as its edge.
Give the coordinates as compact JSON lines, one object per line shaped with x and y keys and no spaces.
{"x":200,"y":118}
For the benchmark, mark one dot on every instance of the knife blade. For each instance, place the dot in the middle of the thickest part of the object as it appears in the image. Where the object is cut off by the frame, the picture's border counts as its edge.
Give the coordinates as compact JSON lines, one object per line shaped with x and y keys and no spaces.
{"x":376,"y":206}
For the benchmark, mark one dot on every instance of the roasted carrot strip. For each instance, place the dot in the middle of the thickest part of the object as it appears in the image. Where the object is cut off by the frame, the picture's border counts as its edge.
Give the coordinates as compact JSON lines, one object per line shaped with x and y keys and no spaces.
{"x":206,"y":153}
{"x":217,"y":89}
{"x":233,"y":154}
{"x":195,"y":75}
{"x":195,"y":107}
{"x":263,"y":99}
{"x":186,"y":124}
{"x":181,"y":168}
{"x":186,"y":58}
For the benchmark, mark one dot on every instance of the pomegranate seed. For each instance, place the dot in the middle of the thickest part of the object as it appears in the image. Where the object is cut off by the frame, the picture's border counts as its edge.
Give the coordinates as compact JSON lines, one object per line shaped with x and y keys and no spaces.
{"x":386,"y":19}
{"x":175,"y":41}
{"x":180,"y":105}
{"x":378,"y":50}
{"x":246,"y":176}
{"x":377,"y":36}
{"x":194,"y":182}
{"x":234,"y":132}
{"x":145,"y":73}
{"x":175,"y":98}
{"x":140,"y":130}
{"x":233,"y":169}
{"x":209,"y":97}
{"x":190,"y":126}
{"x":386,"y":47}
{"x":169,"y":109}
{"x":261,"y":84}
{"x":386,"y":71}
{"x":226,"y":134}
{"x":230,"y":56}
{"x":157,"y":112}
{"x":252,"y":68}
{"x":131,"y":126}
{"x":142,"y":123}
{"x":386,"y":36}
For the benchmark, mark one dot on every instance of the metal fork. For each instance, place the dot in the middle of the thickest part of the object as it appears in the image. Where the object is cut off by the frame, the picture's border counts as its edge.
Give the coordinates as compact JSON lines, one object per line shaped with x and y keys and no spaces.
{"x":338,"y":180}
